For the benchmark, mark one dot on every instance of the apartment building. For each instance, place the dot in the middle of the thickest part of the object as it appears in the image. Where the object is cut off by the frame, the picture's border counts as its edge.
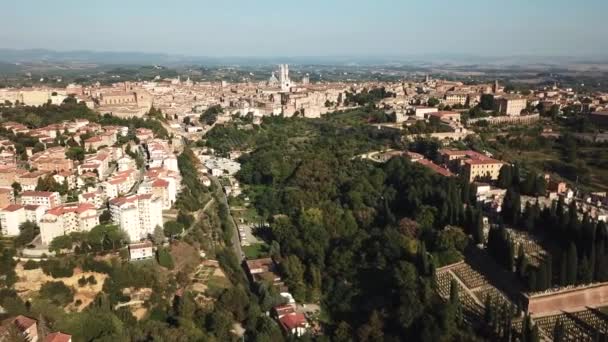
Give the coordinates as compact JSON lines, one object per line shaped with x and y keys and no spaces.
{"x":34,"y":213}
{"x":137,"y":215}
{"x":452,"y":99}
{"x":482,"y":168}
{"x":67,"y":218}
{"x":96,"y":198}
{"x":51,"y":160}
{"x":141,"y":251}
{"x":29,"y":180}
{"x":102,"y":139}
{"x":511,"y":106}
{"x":44,"y":198}
{"x":422,"y":111}
{"x":472,"y":164}
{"x":120,"y":183}
{"x":7,"y":197}
{"x":11,"y":217}
{"x":8,"y":175}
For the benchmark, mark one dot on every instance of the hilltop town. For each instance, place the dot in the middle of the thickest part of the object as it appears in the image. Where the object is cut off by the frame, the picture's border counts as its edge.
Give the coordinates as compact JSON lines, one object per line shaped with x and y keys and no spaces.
{"x":227,"y":210}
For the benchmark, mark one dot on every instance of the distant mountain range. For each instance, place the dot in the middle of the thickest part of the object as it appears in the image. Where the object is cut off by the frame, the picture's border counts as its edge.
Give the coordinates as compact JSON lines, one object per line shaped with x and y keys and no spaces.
{"x":44,"y":56}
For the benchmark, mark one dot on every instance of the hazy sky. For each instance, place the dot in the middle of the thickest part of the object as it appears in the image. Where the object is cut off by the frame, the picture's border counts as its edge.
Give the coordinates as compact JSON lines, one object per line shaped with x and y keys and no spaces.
{"x":310,"y":27}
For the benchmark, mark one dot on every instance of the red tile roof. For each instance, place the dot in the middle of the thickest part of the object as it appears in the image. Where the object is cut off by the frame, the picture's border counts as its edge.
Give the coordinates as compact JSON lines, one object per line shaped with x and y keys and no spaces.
{"x":434,"y":167}
{"x":24,"y":322}
{"x":57,"y":337}
{"x":12,"y":207}
{"x":71,"y":208}
{"x":293,"y":321}
{"x":160,"y":183}
{"x":37,"y":194}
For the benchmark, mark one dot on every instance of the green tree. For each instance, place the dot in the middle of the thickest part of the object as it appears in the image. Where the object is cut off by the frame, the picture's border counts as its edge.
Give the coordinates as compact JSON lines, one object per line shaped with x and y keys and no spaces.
{"x":571,"y":264}
{"x":432,"y":102}
{"x":164,"y":258}
{"x":60,"y":243}
{"x":27,"y":232}
{"x":173,"y":229}
{"x":57,"y":292}
{"x":158,"y":236}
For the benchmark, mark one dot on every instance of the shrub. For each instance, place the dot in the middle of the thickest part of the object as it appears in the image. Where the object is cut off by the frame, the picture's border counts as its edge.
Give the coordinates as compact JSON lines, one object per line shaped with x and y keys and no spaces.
{"x":31,"y":265}
{"x":91,"y":280}
{"x":164,"y":258}
{"x":57,"y":292}
{"x":57,"y":268}
{"x":82,"y":281}
{"x":91,"y":265}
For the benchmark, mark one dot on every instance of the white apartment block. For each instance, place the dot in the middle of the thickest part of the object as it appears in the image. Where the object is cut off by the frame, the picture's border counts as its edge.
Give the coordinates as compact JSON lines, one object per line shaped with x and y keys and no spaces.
{"x":66,"y":219}
{"x":11,"y":218}
{"x":120,"y":183}
{"x":421,"y":111}
{"x":34,"y":213}
{"x":43,"y":198}
{"x":163,"y":187}
{"x":96,"y":198}
{"x":141,"y":251}
{"x":137,"y":215}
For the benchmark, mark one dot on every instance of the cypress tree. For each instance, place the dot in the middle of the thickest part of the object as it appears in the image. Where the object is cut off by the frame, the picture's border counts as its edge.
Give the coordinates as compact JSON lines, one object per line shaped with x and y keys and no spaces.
{"x":510,"y":255}
{"x":563,"y":272}
{"x":540,"y":186}
{"x":549,"y":269}
{"x":542,"y":277}
{"x":515,"y":176}
{"x":478,"y":229}
{"x":572,"y":265}
{"x":455,"y":299}
{"x":585,"y":272}
{"x":522,"y":262}
{"x":423,"y":259}
{"x":532,"y":282}
{"x":505,"y":178}
{"x":558,"y":331}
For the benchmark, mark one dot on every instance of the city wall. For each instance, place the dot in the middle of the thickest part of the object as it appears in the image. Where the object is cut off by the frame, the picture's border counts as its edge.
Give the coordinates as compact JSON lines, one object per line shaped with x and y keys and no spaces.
{"x":572,"y":299}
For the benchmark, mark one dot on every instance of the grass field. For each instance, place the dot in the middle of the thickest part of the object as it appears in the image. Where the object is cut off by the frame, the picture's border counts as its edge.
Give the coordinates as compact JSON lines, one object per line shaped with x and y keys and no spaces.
{"x":256,"y":251}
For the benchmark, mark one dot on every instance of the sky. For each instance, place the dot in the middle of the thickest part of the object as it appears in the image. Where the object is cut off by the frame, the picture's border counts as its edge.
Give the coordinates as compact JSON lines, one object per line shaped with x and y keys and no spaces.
{"x":267,"y":28}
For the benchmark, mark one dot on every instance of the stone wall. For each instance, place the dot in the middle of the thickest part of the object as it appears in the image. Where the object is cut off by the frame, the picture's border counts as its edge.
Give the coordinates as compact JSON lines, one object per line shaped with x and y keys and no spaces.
{"x":568,"y":299}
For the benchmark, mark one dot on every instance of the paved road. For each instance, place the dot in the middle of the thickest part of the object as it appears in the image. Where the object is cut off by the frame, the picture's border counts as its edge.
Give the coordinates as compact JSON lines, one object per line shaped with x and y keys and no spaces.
{"x":236,"y":243}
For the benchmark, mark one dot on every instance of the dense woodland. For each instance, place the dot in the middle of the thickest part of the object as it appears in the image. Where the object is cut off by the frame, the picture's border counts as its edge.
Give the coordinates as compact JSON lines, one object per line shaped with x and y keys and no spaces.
{"x":361,"y":238}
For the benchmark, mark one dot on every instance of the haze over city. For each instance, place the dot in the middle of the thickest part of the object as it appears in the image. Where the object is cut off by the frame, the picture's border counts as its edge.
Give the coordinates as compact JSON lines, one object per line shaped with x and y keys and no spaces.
{"x":311,"y":28}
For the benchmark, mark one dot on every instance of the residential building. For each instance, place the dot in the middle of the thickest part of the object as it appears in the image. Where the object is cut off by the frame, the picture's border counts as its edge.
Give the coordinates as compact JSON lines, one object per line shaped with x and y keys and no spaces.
{"x":26,"y":326}
{"x":9,"y":175}
{"x":7,"y":196}
{"x":294,"y":324}
{"x":137,"y":215}
{"x":452,"y":99}
{"x":422,"y":111}
{"x":11,"y":217}
{"x":510,"y":106}
{"x":29,"y":181}
{"x":141,"y":251}
{"x":472,"y":164}
{"x":446,"y":116}
{"x":96,"y":198}
{"x":51,"y":160}
{"x":57,"y":337}
{"x":482,"y":168}
{"x":34,"y":213}
{"x":44,"y":198}
{"x":67,"y":218}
